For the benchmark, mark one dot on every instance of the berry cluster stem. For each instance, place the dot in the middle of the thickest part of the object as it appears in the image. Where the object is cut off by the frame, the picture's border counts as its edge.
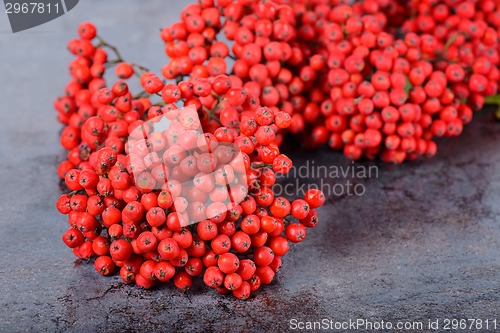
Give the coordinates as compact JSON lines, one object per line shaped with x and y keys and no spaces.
{"x":119,"y":58}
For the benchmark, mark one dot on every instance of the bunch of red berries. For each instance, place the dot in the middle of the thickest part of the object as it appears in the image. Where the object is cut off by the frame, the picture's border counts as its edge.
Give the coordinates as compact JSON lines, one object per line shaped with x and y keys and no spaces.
{"x":372,"y":78}
{"x":176,"y":188}
{"x":177,"y":180}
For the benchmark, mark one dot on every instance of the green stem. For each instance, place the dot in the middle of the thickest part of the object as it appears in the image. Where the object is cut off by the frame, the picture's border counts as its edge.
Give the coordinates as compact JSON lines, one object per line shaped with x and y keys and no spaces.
{"x":141,"y":94}
{"x":179,"y":79}
{"x":211,"y":115}
{"x":495,"y":100}
{"x":140,"y":67}
{"x":216,"y":96}
{"x":103,"y":43}
{"x":450,"y":41}
{"x":261,"y":165}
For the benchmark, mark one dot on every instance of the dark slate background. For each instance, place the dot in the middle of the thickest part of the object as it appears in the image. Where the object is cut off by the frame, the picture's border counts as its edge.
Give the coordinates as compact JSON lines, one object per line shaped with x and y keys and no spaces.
{"x":422,"y":243}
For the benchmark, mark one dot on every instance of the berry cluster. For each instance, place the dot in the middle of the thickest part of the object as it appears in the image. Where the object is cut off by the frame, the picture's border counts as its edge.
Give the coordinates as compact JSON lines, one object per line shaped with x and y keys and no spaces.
{"x":177,"y":188}
{"x":375,"y":78}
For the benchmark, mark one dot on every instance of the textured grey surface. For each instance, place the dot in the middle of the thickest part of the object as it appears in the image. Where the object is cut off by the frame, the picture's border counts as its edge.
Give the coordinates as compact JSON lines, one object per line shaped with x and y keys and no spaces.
{"x":423,"y":242}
